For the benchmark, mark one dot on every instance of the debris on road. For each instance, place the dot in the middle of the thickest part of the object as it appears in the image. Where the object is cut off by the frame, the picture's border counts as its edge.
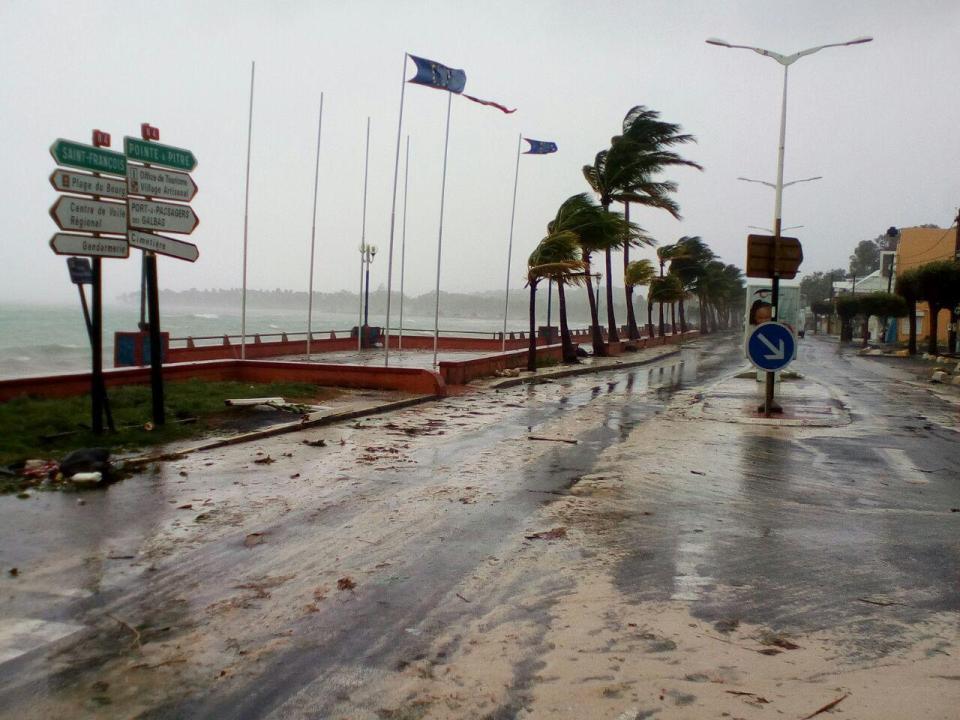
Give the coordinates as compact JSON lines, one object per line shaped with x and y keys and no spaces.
{"x":265,"y":460}
{"x":315,"y":443}
{"x":556,"y":533}
{"x":345,"y":583}
{"x":828,"y":706}
{"x":778,"y":640}
{"x":254,"y":539}
{"x":549,"y":439}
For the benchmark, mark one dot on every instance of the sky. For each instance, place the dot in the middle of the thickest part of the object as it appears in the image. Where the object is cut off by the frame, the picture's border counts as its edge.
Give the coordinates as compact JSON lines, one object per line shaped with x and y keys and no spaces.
{"x":877,"y":121}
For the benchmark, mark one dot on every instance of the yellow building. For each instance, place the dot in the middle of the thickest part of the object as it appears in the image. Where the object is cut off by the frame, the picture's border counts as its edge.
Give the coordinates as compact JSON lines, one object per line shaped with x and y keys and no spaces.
{"x":919,"y":246}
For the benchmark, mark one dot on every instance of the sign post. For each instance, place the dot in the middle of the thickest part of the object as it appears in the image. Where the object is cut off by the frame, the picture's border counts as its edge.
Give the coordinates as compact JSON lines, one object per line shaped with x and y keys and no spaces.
{"x":99,"y":219}
{"x":773,"y":257}
{"x":145,"y":183}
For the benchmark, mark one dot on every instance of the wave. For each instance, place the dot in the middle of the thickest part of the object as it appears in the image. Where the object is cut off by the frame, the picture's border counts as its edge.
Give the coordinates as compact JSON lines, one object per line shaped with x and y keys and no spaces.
{"x":206,"y":316}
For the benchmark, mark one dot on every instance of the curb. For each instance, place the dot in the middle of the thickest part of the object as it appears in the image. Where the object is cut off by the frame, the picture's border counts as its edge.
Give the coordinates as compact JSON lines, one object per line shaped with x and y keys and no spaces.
{"x":585,"y":370}
{"x":283,"y":429}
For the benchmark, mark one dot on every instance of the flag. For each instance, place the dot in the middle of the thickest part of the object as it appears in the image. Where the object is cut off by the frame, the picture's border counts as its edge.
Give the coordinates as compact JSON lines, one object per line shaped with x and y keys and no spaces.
{"x":540,"y":147}
{"x":498,"y":106}
{"x":435,"y":75}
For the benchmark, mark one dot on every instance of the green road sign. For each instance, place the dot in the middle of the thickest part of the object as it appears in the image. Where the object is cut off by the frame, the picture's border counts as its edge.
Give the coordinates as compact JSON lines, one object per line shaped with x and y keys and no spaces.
{"x":87,"y":157}
{"x":157,"y":154}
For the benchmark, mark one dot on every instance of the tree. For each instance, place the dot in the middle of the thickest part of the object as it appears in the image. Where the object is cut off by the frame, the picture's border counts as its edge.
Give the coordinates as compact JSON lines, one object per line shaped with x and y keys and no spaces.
{"x":560,"y":261}
{"x":865,"y":258}
{"x":939,"y":285}
{"x":641,"y":272}
{"x":665,"y":290}
{"x":880,"y":304}
{"x":908,"y":287}
{"x":556,"y":255}
{"x":819,"y":308}
{"x":596,"y":230}
{"x":848,"y":307}
{"x":819,"y":285}
{"x":626,"y":173}
{"x":689,"y":261}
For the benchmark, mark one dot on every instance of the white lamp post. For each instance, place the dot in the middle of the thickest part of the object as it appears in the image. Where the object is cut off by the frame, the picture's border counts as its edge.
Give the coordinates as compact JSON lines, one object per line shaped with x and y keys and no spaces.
{"x":786,"y":61}
{"x":785,"y":185}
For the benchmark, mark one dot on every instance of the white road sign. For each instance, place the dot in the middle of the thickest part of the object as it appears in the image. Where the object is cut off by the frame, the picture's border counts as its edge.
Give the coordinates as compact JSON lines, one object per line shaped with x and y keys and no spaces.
{"x":86,"y":184}
{"x":66,"y":244}
{"x":164,"y":245}
{"x":164,"y":184}
{"x":149,"y":215}
{"x":72,"y":213}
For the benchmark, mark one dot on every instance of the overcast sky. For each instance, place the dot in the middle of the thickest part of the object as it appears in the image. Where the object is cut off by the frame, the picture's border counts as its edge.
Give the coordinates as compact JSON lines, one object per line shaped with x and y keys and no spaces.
{"x":877,"y":121}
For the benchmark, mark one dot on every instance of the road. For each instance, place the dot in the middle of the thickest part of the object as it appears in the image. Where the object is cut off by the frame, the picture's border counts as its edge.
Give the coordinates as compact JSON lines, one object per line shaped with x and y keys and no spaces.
{"x":699,"y":563}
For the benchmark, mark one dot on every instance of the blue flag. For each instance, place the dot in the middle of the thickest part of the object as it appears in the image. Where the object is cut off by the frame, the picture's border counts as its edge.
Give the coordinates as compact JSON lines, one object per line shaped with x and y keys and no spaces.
{"x":435,"y":75}
{"x":540,"y":147}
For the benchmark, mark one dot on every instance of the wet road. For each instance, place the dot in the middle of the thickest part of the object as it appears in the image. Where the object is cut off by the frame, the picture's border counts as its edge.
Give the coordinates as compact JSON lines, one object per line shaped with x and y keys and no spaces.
{"x":282,"y":580}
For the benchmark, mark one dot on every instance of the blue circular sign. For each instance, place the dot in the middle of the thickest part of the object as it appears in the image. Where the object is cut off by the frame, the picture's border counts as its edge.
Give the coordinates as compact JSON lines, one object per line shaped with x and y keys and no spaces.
{"x":771,"y":346}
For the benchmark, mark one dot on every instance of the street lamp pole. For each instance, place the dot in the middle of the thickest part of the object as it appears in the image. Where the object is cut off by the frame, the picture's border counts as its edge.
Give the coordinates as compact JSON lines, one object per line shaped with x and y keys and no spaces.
{"x":786,"y":61}
{"x":367,"y":253}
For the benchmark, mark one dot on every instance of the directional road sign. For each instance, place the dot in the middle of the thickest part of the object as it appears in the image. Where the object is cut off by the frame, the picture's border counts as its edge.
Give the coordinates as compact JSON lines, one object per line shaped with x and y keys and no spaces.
{"x":163,"y":184}
{"x":164,"y":245}
{"x":760,"y":257}
{"x":149,"y":215}
{"x":771,"y":346}
{"x":87,"y":157}
{"x":157,"y":154}
{"x":65,"y":244}
{"x":86,"y":184}
{"x":73,"y":213}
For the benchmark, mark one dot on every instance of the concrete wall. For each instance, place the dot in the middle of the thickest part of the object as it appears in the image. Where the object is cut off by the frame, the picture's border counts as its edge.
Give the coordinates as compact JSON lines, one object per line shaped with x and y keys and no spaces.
{"x":412,"y":380}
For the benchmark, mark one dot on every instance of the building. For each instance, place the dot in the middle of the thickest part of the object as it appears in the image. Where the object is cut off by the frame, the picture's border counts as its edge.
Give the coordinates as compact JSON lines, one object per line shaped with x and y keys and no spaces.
{"x":918,"y":246}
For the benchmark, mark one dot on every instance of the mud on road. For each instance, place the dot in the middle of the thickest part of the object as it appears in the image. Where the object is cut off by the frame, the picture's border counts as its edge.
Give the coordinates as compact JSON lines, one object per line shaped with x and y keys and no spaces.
{"x":438,"y":563}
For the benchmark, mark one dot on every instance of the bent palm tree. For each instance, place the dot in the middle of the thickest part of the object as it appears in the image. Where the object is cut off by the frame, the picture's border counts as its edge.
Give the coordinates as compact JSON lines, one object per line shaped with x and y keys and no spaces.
{"x":641,"y":272}
{"x":596,"y":230}
{"x":625,"y":173}
{"x":556,"y":257}
{"x":689,"y":263}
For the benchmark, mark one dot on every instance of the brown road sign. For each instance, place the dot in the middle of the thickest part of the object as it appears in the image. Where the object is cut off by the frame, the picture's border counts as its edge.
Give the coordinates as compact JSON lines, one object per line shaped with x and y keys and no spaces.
{"x":760,"y":257}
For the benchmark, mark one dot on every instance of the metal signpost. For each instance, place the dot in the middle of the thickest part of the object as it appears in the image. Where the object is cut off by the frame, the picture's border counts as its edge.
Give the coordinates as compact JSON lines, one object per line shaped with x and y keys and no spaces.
{"x":95,"y":217}
{"x":144,"y":184}
{"x":771,"y":347}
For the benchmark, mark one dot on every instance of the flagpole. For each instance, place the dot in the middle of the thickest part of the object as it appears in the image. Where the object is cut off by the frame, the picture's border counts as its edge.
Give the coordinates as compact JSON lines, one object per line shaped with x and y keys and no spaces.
{"x":246,"y":207}
{"x":443,"y":192}
{"x":403,"y":242}
{"x":313,"y":231}
{"x":393,"y":212}
{"x":363,"y":236}
{"x":513,"y":212}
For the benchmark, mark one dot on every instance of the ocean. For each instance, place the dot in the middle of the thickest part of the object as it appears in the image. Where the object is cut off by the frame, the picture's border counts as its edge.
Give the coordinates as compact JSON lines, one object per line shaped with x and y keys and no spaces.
{"x":48,"y":339}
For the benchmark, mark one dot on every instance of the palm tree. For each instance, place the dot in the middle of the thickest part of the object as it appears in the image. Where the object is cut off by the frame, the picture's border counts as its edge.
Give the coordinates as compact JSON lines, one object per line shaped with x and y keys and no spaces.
{"x":556,"y":257}
{"x":689,"y":264}
{"x":666,"y":289}
{"x":625,"y":173}
{"x":596,"y":230}
{"x":641,"y":272}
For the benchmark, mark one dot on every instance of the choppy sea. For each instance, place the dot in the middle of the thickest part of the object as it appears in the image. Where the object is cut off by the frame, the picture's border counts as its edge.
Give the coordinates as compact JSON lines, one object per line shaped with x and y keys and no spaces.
{"x":48,"y":339}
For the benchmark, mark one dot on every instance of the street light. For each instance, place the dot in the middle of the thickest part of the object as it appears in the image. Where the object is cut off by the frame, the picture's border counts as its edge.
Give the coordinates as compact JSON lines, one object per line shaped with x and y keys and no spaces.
{"x":598,"y":277}
{"x":757,"y":227}
{"x":786,"y":185}
{"x":367,"y":253}
{"x":786,"y":61}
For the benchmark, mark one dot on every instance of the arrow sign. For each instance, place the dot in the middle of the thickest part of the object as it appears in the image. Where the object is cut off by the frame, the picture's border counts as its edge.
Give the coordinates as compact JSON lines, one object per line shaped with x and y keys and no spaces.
{"x":73,"y":213}
{"x":65,"y":244}
{"x":85,"y":184}
{"x":771,"y":346}
{"x":164,"y":245}
{"x":149,"y":215}
{"x":157,"y":154}
{"x":87,"y":157}
{"x":164,"y":184}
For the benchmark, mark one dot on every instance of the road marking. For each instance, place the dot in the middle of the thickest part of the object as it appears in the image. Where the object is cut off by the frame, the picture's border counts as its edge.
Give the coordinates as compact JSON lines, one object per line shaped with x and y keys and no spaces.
{"x":19,"y":636}
{"x":904,"y":468}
